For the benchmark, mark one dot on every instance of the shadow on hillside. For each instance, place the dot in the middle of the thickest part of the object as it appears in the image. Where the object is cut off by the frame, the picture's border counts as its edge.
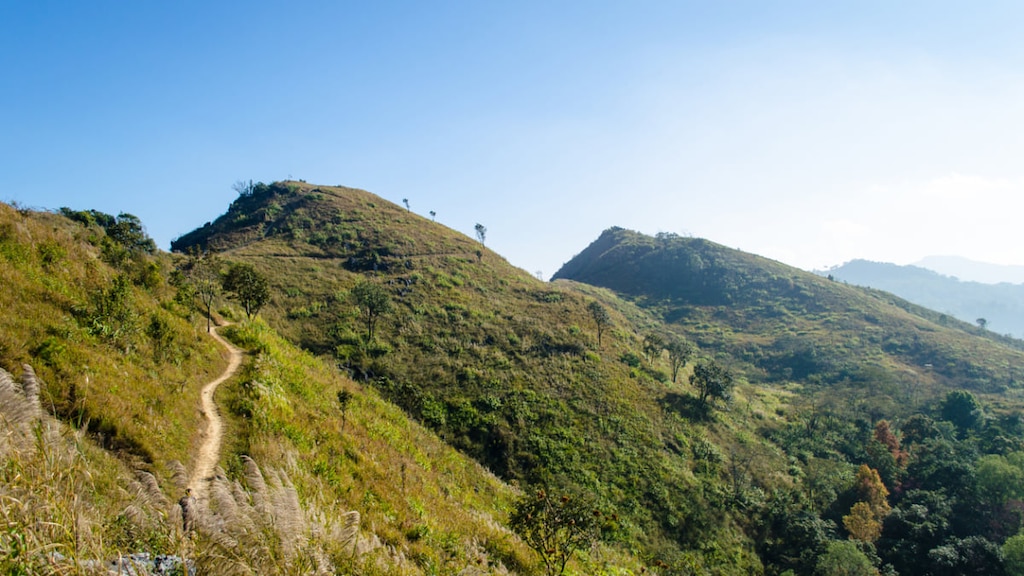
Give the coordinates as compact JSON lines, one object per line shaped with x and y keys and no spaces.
{"x":685,"y":405}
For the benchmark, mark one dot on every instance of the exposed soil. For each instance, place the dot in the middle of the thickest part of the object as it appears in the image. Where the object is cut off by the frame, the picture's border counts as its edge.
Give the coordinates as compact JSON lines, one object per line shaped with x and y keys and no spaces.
{"x":209,"y":451}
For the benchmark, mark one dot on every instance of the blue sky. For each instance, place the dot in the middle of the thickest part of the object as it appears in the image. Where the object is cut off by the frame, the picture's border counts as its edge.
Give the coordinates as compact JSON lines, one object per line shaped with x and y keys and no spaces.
{"x":809,"y":132}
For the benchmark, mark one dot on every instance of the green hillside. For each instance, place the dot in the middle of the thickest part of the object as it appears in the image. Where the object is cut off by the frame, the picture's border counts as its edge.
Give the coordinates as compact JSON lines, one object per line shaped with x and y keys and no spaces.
{"x":503,"y":366}
{"x":779,"y":323}
{"x":92,"y":468}
{"x":928,"y":408}
{"x":409,"y":403}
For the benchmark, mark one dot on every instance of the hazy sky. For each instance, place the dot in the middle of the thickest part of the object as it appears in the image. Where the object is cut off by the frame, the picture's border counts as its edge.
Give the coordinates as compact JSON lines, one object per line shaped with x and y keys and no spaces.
{"x":810,"y":132}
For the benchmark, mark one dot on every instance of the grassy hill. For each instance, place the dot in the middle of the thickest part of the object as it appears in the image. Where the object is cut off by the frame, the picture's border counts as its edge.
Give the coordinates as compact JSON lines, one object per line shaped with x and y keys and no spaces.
{"x":848,"y":427}
{"x":100,"y":325}
{"x":94,"y":468}
{"x":926,"y":406}
{"x":780,"y":324}
{"x":504,"y":367}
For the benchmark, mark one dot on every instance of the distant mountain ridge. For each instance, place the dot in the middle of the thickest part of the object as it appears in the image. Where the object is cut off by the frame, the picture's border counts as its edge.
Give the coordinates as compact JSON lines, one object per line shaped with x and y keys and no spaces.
{"x":968,"y":270}
{"x":1001,"y":305}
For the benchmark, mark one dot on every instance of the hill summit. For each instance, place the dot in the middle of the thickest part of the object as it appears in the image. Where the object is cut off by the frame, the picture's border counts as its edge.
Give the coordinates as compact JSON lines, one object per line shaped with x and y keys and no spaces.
{"x":782,"y":323}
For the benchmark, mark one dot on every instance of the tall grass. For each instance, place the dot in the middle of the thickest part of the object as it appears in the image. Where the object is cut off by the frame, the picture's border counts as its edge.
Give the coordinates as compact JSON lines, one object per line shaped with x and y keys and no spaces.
{"x":55,"y":520}
{"x":45,"y":519}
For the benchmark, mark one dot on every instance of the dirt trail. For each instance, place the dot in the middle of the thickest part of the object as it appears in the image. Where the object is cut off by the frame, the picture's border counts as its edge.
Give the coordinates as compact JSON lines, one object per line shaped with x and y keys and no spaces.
{"x":209,"y":450}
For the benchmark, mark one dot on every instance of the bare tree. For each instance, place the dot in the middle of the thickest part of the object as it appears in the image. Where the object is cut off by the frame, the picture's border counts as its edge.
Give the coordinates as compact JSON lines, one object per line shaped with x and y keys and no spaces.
{"x":242,"y":187}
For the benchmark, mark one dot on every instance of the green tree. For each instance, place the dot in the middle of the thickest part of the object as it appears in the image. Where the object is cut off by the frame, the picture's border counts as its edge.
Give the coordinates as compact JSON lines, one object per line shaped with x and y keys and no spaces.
{"x":679,"y":353}
{"x":941,"y":464}
{"x":712,"y":381}
{"x":998,"y":480}
{"x":601,"y":318}
{"x":844,"y":559}
{"x":971,"y":555}
{"x":918,"y":429}
{"x":653,"y":344}
{"x":481,"y":233}
{"x":161,"y":334}
{"x":920,"y":522}
{"x":344,"y":399}
{"x":373,"y":301}
{"x":127,"y":230}
{"x":248,"y":286}
{"x":1013,"y":555}
{"x":113,"y":316}
{"x":557,"y":527}
{"x":881,"y":459}
{"x":962,"y":409}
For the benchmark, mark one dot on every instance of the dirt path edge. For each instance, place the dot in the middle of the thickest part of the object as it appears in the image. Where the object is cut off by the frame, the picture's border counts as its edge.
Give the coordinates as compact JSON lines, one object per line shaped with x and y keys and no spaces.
{"x":209,"y":450}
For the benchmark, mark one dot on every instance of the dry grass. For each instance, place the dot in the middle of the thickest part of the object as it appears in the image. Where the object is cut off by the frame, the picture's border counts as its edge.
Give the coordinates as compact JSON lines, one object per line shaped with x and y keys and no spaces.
{"x":44,"y":482}
{"x":52,"y":520}
{"x":139,"y":403}
{"x":423,"y":508}
{"x":381,"y":495}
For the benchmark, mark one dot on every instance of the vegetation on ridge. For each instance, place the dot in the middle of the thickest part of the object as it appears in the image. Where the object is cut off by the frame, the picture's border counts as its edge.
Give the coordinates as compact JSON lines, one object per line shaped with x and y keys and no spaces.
{"x":104,"y":483}
{"x":505,"y":367}
{"x":792,"y":438}
{"x":923,"y":499}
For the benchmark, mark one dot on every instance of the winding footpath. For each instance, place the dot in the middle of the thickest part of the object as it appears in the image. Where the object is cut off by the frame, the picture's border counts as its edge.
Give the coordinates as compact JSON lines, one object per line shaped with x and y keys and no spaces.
{"x":209,"y":450}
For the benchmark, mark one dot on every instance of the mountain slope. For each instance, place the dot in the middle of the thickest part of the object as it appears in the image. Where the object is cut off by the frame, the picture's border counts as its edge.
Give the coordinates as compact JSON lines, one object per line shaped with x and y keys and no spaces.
{"x":98,"y":474}
{"x":854,"y":415}
{"x":1001,"y":305}
{"x":903,"y":427}
{"x":505,"y":367}
{"x":781,"y":323}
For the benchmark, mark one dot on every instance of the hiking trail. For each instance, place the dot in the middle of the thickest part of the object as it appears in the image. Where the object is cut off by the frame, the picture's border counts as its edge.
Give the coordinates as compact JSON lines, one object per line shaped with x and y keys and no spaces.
{"x":209,"y":450}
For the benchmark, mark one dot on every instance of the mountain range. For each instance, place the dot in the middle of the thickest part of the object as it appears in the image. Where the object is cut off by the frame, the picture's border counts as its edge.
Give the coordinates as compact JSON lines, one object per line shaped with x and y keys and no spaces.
{"x":968,"y":270}
{"x":714,"y":410}
{"x":999,"y":307}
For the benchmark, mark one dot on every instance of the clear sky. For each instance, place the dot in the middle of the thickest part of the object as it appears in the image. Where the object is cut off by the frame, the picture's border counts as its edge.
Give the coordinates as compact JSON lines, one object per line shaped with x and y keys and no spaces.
{"x":810,"y":132}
